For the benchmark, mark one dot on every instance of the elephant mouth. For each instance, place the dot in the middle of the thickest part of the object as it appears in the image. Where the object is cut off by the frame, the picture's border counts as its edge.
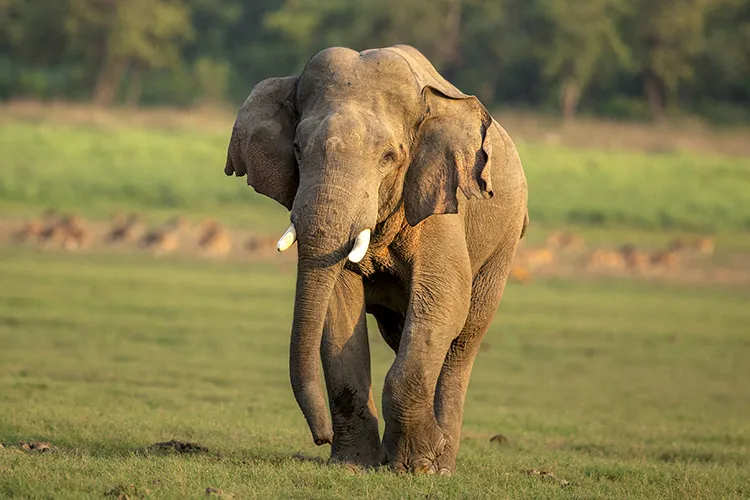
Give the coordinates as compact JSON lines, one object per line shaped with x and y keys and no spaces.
{"x":355,"y":255}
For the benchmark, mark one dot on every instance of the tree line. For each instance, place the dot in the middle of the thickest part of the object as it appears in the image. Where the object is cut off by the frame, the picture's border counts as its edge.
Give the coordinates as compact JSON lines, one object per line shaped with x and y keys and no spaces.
{"x":622,"y":58}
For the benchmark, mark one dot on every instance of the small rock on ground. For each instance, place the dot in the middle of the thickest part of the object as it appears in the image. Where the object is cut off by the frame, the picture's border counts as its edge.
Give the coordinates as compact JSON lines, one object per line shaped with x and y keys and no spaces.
{"x":499,"y":439}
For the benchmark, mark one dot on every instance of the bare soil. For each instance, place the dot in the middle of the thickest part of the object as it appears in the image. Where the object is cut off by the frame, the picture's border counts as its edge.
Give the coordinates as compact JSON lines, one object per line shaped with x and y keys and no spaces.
{"x":174,"y":446}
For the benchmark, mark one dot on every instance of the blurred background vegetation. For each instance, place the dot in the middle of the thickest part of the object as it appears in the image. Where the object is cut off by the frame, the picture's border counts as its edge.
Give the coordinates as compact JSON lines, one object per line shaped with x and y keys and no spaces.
{"x":628,"y":59}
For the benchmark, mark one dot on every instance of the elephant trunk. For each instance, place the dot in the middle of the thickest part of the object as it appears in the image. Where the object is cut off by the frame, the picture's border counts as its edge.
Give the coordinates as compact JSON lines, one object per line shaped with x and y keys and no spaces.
{"x":332,"y":225}
{"x":314,"y":288}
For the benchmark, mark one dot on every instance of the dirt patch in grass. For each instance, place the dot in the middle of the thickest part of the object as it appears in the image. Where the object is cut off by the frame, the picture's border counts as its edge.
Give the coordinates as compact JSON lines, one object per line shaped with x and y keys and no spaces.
{"x":32,"y":446}
{"x":126,"y":492}
{"x":218,"y":492}
{"x":546,"y":475}
{"x":179,"y":447}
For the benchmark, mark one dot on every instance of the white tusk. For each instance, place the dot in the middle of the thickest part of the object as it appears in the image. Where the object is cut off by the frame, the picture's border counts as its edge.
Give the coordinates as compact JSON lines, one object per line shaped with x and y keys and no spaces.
{"x":287,"y":239}
{"x":360,"y":246}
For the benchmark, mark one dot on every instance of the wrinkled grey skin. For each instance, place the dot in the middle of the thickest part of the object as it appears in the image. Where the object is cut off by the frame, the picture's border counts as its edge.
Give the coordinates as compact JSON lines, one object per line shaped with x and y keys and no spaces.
{"x":378,"y":139}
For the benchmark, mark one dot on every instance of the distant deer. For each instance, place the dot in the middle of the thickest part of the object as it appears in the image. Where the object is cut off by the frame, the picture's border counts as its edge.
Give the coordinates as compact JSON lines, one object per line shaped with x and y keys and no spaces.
{"x":704,"y":245}
{"x":520,"y":274}
{"x":75,"y":234}
{"x":536,"y":257}
{"x":35,"y":228}
{"x":123,"y":229}
{"x":666,"y":259}
{"x":260,"y":243}
{"x":605,"y":259}
{"x":636,"y":260}
{"x":165,"y":239}
{"x":565,"y":240}
{"x":215,"y":240}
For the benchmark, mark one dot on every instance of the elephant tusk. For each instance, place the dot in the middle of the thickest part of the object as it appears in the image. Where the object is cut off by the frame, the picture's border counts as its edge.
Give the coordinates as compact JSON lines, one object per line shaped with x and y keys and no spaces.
{"x":287,"y":239}
{"x":360,"y":246}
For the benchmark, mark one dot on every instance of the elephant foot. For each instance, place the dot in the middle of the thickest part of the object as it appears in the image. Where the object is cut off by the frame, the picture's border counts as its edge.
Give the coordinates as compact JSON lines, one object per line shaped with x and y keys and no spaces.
{"x":355,"y":459}
{"x":423,"y":453}
{"x":357,"y":451}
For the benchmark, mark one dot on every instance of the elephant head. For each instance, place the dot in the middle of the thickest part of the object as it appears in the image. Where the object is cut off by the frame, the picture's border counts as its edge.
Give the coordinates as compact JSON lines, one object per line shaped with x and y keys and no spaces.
{"x":352,"y":140}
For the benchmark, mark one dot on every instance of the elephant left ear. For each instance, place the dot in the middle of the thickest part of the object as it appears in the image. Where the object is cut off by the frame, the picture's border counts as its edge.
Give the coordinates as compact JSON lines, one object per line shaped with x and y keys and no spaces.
{"x":453,"y":151}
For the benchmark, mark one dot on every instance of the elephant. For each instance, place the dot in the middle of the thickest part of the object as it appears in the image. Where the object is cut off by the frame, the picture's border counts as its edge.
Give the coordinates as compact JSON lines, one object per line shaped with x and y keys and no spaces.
{"x":407,"y":202}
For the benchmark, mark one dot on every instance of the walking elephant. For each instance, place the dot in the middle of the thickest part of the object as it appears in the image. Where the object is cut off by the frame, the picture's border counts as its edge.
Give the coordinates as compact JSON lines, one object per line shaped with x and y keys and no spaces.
{"x":407,"y":201}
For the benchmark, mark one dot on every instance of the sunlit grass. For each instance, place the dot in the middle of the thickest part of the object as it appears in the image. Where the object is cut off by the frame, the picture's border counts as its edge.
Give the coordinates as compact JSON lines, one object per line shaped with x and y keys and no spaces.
{"x":98,"y":169}
{"x":623,"y":389}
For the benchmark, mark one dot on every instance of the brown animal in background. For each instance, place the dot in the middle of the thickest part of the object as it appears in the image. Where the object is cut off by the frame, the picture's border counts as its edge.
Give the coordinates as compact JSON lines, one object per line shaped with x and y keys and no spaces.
{"x":36,"y":227}
{"x":605,"y":259}
{"x":676,"y":245}
{"x":75,"y":234}
{"x":536,"y":257}
{"x":565,"y":240}
{"x":124,"y":229}
{"x":260,"y":243}
{"x":54,"y":231}
{"x":635,"y":260}
{"x":215,"y":240}
{"x":668,"y":259}
{"x":165,"y":239}
{"x":704,"y":245}
{"x":520,"y":274}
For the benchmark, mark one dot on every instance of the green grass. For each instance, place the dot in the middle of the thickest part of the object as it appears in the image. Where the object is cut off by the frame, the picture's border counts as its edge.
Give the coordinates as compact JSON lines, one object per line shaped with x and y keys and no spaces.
{"x":624,"y":389}
{"x":99,"y":169}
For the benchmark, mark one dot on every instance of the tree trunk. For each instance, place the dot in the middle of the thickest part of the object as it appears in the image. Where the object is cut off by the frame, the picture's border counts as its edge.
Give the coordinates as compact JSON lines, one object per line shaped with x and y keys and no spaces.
{"x":109,"y":80}
{"x":656,"y":95}
{"x":570,"y":95}
{"x":135,"y":85}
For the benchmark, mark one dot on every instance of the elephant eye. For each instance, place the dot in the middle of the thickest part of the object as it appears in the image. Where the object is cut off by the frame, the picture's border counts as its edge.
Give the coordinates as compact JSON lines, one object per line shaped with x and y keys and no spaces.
{"x":296,"y":150}
{"x":390,"y":156}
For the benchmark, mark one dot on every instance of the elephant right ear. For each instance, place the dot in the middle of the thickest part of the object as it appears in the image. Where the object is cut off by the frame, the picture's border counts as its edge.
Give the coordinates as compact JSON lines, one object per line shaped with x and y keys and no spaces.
{"x":262,"y":143}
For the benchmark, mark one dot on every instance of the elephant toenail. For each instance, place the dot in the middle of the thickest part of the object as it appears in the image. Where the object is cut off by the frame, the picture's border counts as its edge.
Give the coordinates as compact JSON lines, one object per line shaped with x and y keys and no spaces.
{"x":441,"y":445}
{"x":423,"y":466}
{"x":398,"y":467}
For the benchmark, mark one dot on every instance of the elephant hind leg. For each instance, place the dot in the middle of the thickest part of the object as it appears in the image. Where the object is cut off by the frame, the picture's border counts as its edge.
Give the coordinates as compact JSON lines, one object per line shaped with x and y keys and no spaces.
{"x":345,"y":353}
{"x":487,"y":291}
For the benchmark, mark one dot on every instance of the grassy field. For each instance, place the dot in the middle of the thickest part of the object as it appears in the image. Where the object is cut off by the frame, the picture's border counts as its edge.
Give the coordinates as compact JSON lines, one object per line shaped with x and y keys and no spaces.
{"x":603,"y":387}
{"x":621,"y":389}
{"x":96,"y":169}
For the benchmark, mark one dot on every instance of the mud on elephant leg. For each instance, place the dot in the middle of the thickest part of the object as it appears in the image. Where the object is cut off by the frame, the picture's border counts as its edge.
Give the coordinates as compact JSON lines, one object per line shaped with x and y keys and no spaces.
{"x":345,"y":353}
{"x":487,"y":291}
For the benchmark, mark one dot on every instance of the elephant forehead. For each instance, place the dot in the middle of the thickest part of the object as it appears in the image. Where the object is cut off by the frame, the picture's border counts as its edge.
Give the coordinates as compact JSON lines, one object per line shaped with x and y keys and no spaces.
{"x":374,"y":76}
{"x":341,"y":130}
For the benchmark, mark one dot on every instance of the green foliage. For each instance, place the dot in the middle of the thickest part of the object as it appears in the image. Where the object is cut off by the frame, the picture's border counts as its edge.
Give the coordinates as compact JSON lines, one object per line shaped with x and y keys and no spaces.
{"x":625,"y":390}
{"x":148,"y":32}
{"x":212,"y":77}
{"x":577,"y":37}
{"x":531,"y":53}
{"x":83,"y":167}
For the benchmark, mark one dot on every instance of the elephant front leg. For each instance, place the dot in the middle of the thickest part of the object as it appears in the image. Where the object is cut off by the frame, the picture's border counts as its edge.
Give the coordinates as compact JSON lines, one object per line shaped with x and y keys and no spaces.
{"x":345,"y":353}
{"x":413,"y":438}
{"x":487,"y":291}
